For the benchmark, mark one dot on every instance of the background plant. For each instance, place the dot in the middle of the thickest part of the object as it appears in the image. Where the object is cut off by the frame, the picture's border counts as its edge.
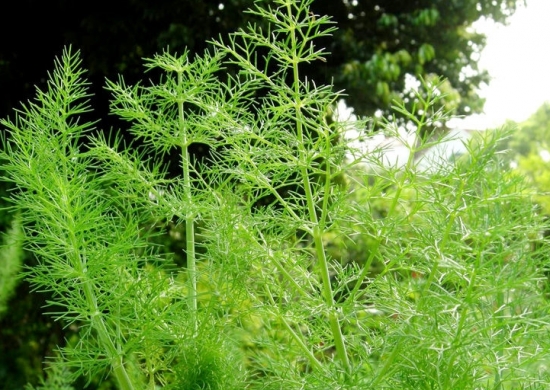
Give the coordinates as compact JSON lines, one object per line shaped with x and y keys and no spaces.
{"x":446,"y":294}
{"x":11,"y":256}
{"x":528,"y":155}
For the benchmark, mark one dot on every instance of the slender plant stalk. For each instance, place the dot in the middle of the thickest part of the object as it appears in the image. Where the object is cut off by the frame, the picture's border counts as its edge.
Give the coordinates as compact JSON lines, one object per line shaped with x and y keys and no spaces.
{"x":297,"y":338}
{"x":110,"y":346}
{"x":317,"y":231}
{"x":190,"y":217}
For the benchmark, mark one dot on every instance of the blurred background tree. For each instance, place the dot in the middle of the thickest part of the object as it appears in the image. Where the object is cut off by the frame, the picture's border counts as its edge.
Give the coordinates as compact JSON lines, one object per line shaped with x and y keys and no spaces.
{"x":379,"y":45}
{"x":529,"y":153}
{"x":532,"y":135}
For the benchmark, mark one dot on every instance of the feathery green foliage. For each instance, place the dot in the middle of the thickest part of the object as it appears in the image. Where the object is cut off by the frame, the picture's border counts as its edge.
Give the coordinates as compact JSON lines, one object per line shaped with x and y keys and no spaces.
{"x":445,"y":293}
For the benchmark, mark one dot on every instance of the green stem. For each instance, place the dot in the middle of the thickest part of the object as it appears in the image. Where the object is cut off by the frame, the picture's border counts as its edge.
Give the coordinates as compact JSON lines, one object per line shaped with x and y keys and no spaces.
{"x":335,"y":327}
{"x":189,"y":219}
{"x":311,"y":357}
{"x":317,"y":230}
{"x":96,"y":321}
{"x":191,"y":268}
{"x":117,"y":362}
{"x":79,"y":260}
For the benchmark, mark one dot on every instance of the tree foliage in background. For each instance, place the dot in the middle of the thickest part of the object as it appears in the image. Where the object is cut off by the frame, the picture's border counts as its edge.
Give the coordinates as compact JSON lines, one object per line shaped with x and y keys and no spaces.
{"x":529,"y":152}
{"x":378,"y":43}
{"x":532,"y":135}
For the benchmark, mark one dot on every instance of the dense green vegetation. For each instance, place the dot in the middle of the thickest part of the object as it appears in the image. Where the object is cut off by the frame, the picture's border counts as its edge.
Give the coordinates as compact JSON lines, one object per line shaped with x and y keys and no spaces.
{"x":282,"y":261}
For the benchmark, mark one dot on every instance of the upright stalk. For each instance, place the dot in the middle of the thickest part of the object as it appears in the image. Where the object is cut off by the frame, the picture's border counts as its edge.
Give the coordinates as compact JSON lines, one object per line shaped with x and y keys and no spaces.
{"x":97,"y":322}
{"x":189,"y":218}
{"x":317,"y":231}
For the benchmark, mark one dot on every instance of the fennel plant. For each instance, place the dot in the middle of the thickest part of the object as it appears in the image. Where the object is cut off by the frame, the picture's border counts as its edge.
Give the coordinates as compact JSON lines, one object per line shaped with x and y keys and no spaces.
{"x":442,"y":291}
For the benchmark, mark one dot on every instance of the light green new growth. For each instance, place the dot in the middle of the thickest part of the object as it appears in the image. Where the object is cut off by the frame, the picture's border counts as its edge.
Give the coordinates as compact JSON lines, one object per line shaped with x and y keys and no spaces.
{"x":293,"y":278}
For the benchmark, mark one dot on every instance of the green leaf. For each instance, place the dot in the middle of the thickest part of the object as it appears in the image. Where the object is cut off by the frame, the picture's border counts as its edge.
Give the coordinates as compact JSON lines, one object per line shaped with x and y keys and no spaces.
{"x":426,"y":53}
